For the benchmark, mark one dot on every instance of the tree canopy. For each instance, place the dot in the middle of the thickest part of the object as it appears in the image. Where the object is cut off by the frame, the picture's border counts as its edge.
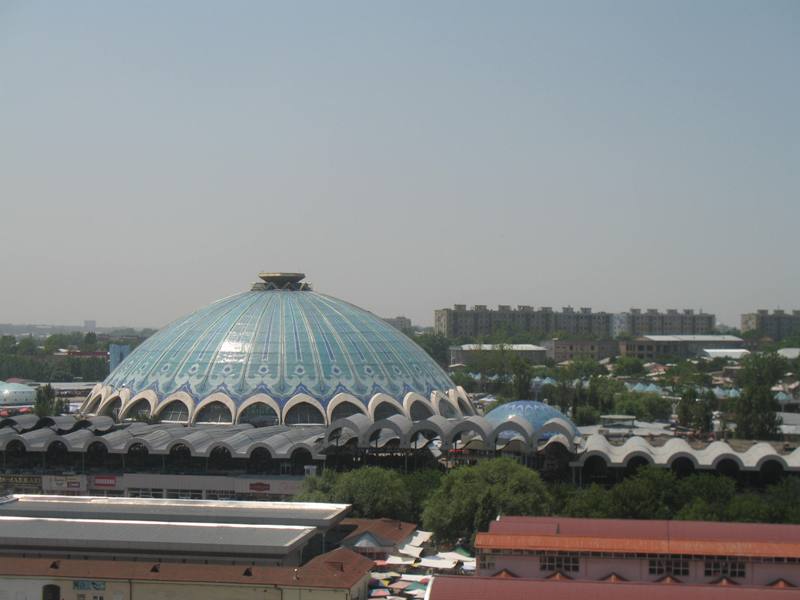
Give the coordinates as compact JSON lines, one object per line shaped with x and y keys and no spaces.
{"x":469,"y":497}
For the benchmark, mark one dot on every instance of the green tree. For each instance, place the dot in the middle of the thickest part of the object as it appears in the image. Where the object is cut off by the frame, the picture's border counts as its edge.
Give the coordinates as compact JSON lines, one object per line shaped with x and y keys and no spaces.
{"x":436,"y":345}
{"x":26,"y":346}
{"x":685,"y":406}
{"x":587,"y":415}
{"x":8,"y":344}
{"x":374,"y":492}
{"x":650,"y":494}
{"x":469,"y":496}
{"x":644,"y":406}
{"x":702,"y":413}
{"x":628,"y":366}
{"x":754,"y":410}
{"x":45,"y":404}
{"x":705,"y":497}
{"x":782,"y":499}
{"x":318,"y":488}
{"x":593,"y":502}
{"x":521,"y":371}
{"x":89,"y":342}
{"x":748,"y":508}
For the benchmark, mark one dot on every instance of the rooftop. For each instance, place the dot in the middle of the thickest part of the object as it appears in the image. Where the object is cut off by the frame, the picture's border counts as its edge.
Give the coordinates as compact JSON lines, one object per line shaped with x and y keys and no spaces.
{"x":305,"y":514}
{"x":129,"y":536}
{"x":479,"y":588}
{"x":493,"y":347}
{"x":693,"y":338}
{"x":390,"y":530}
{"x":642,"y":537}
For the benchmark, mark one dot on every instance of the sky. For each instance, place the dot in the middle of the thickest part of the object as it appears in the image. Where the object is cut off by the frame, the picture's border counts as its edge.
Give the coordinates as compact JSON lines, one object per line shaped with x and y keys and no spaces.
{"x":407,"y":156}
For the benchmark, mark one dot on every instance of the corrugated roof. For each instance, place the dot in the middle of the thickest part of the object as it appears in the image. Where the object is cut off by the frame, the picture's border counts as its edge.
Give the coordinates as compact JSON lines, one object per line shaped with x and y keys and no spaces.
{"x":480,"y":588}
{"x":650,"y":537}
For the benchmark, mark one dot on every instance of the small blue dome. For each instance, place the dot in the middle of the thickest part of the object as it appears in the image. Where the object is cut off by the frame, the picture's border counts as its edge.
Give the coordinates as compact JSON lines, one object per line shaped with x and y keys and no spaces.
{"x":536,"y":413}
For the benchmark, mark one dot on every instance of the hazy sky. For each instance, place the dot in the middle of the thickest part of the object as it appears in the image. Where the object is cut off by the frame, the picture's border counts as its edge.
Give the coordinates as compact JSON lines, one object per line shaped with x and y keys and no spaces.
{"x":154,"y":156}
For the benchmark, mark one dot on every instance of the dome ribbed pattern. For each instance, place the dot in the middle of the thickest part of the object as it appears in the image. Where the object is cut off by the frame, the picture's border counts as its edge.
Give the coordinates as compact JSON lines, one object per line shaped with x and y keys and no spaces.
{"x":281,"y":343}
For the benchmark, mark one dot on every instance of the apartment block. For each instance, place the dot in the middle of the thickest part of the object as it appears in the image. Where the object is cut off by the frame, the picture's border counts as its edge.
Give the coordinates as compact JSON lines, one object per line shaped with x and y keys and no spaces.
{"x":481,"y":320}
{"x":568,"y":349}
{"x":776,"y":325}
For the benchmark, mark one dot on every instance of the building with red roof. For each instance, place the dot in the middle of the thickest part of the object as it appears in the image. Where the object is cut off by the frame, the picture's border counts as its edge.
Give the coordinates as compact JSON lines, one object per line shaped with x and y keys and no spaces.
{"x":594,"y":549}
{"x":480,"y":588}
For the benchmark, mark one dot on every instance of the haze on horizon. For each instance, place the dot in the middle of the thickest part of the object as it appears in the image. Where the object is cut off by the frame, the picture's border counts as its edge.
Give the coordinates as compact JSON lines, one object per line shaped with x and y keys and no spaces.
{"x":407,"y":156}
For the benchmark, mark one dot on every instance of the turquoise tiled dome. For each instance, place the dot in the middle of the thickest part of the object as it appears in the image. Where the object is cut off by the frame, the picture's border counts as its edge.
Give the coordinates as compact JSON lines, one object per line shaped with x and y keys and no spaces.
{"x":281,"y":341}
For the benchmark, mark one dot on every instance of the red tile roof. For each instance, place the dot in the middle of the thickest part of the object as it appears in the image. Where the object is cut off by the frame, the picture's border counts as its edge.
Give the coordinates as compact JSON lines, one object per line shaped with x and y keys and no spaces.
{"x":480,"y":588}
{"x":338,"y":569}
{"x":641,"y":537}
{"x":390,"y":530}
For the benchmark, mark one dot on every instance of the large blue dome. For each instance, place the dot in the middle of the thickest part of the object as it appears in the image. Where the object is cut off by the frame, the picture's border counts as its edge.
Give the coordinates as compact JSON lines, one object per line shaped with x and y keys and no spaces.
{"x":277,"y":346}
{"x":536,"y":413}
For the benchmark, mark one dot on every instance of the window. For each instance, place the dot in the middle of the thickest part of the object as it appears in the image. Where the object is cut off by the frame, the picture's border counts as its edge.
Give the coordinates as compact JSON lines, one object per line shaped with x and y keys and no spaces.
{"x":486,"y":561}
{"x":185,"y":494}
{"x":669,"y":566}
{"x":145,"y":493}
{"x":220,"y":494}
{"x":724,"y":568}
{"x":559,"y":562}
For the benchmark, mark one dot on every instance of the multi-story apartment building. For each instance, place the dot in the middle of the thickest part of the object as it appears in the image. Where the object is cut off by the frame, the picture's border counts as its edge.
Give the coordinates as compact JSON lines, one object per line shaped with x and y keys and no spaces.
{"x":637,"y":322}
{"x":401,"y":323}
{"x":777,"y":325}
{"x":655,"y":347}
{"x":571,"y":349}
{"x":481,"y":320}
{"x":466,"y":353}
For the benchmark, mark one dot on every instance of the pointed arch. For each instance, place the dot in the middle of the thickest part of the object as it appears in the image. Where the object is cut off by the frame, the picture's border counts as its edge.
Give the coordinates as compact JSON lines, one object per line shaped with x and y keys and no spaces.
{"x":253,"y":401}
{"x":344,"y":400}
{"x":443,"y":406}
{"x":380,"y":399}
{"x":298,"y":407}
{"x":148,"y":396}
{"x":166,"y":410}
{"x":210,"y":401}
{"x":110,"y":406}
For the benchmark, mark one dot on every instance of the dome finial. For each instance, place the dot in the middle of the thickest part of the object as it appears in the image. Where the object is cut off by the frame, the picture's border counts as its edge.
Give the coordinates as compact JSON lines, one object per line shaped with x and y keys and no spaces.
{"x":281,"y":279}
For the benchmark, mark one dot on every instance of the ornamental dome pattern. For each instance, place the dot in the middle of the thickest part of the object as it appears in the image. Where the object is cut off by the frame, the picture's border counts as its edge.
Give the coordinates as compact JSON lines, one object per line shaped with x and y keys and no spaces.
{"x":282,"y":345}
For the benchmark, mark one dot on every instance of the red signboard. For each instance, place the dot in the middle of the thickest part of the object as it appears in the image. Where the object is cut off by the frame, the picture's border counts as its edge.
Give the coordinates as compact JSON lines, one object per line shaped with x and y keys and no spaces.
{"x":105,"y":481}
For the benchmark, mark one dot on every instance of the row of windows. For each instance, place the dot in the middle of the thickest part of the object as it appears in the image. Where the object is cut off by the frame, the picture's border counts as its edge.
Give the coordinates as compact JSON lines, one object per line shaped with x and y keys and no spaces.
{"x":569,"y":563}
{"x":679,"y":567}
{"x":724,"y":568}
{"x":668,"y":566}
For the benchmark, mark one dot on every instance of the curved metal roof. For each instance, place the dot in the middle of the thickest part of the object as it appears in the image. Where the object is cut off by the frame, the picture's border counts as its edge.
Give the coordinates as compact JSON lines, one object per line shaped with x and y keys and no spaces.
{"x":281,"y":343}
